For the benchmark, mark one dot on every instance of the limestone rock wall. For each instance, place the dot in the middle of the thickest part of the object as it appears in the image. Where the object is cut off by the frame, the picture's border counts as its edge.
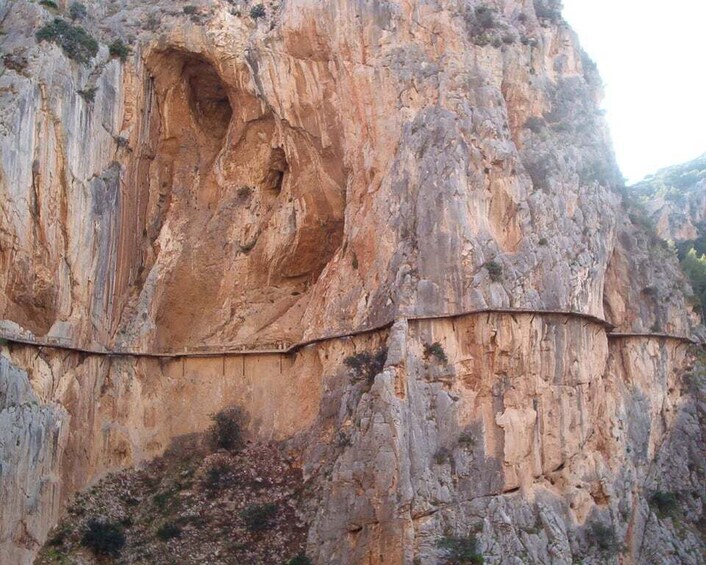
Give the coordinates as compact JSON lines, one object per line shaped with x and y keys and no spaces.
{"x":32,"y":444}
{"x":238,"y":180}
{"x":675,"y":200}
{"x":524,"y":446}
{"x":69,"y":419}
{"x":527,"y":429}
{"x":327,"y":168}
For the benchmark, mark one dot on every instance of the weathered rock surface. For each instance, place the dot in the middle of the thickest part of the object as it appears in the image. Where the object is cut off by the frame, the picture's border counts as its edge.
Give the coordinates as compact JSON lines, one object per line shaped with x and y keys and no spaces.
{"x":323,"y":169}
{"x":675,"y":200}
{"x":528,"y":449}
{"x":245,"y":181}
{"x":32,"y":441}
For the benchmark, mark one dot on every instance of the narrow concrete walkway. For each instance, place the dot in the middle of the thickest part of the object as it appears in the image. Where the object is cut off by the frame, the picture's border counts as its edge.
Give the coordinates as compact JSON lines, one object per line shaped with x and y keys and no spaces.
{"x":284,"y":348}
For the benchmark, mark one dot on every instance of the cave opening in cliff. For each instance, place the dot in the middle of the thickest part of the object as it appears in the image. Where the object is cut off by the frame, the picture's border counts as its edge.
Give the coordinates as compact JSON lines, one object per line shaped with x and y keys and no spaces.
{"x":208,"y":97}
{"x":257,"y":204}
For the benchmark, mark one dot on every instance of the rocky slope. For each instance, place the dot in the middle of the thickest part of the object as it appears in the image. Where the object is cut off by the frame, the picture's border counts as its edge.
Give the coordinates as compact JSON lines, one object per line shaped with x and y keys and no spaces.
{"x":191,"y":506}
{"x":252,"y":177}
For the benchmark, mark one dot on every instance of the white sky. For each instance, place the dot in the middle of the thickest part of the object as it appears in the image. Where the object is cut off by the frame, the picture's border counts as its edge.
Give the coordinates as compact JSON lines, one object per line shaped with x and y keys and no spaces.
{"x":652,"y":57}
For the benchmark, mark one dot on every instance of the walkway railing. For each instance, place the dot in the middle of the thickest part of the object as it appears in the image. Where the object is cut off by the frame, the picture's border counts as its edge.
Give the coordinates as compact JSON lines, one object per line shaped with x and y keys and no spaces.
{"x":65,"y":344}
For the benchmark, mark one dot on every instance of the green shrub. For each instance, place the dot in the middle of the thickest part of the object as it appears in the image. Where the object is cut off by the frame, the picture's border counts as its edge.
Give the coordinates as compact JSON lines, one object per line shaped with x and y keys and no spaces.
{"x":443,"y":455}
{"x":77,"y":11}
{"x":485,"y":17}
{"x":366,"y":365}
{"x":119,"y":49}
{"x":548,"y":9}
{"x":508,"y":38}
{"x":75,"y":41}
{"x":88,"y":94}
{"x":664,"y":503}
{"x":482,"y":26}
{"x":259,"y":517}
{"x":216,"y":476}
{"x":461,"y":550}
{"x":49,"y":4}
{"x":467,"y":439}
{"x":495,"y":270}
{"x":605,"y":538}
{"x":103,"y":538}
{"x":164,"y":500}
{"x":190,"y":10}
{"x":300,"y":559}
{"x":168,"y":531}
{"x":226,"y":430}
{"x":435,"y":350}
{"x":543,"y":241}
{"x":257,"y":11}
{"x":481,"y":40}
{"x":152,"y":22}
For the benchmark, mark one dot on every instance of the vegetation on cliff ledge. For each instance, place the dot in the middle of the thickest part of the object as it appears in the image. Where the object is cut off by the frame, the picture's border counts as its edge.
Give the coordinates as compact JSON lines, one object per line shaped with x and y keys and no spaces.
{"x":75,"y":41}
{"x":365,"y":365}
{"x":673,"y":183}
{"x":119,"y":49}
{"x":461,"y":550}
{"x":199,"y":503}
{"x":77,"y":11}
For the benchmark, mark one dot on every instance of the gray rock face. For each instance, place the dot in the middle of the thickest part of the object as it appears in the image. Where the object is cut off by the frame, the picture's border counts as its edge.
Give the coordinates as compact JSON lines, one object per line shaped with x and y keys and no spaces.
{"x":324,"y":169}
{"x":673,"y":203}
{"x":32,"y":436}
{"x":538,"y":457}
{"x":675,"y":199}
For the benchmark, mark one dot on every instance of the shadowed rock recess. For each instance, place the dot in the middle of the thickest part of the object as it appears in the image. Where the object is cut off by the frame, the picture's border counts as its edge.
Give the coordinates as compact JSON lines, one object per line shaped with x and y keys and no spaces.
{"x":495,"y":362}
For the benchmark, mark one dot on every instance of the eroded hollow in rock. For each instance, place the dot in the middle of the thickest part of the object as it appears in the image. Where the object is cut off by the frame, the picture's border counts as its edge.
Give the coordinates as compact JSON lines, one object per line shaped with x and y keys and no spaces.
{"x":208,"y":98}
{"x":252,"y":206}
{"x":276,"y":168}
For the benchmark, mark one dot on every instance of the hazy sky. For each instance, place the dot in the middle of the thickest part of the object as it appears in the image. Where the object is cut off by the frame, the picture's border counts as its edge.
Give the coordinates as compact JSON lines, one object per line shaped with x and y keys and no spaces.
{"x":652,"y":57}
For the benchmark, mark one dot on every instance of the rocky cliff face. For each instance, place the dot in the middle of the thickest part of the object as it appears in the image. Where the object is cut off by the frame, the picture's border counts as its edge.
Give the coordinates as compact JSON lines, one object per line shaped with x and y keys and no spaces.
{"x":675,"y":200}
{"x":324,"y":169}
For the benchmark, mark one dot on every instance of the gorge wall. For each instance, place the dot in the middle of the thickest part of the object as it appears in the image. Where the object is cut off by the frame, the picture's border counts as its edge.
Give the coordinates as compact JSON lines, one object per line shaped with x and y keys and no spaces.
{"x":674,"y":200}
{"x":344,"y":169}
